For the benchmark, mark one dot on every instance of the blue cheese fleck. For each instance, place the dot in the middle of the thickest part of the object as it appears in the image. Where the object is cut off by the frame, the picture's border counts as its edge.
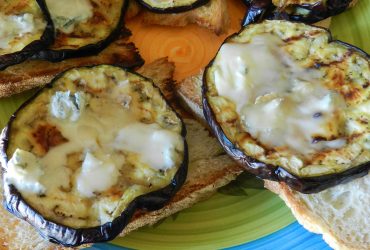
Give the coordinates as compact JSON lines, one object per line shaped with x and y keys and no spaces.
{"x":67,"y":106}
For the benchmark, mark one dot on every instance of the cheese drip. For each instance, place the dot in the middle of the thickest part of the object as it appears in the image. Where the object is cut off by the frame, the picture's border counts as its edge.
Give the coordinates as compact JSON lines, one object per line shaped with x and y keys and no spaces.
{"x":279,"y":102}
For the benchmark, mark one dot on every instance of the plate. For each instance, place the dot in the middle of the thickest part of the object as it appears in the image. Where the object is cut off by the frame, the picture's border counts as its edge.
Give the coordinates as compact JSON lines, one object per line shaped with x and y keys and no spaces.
{"x":238,"y":216}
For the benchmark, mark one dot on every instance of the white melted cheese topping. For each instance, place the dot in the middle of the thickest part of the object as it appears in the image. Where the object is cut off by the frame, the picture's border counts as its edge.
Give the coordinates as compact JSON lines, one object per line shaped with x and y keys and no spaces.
{"x":96,"y":175}
{"x":154,"y":144}
{"x":15,"y":26}
{"x":24,"y":172}
{"x":100,"y":132}
{"x":279,"y":102}
{"x":67,"y":13}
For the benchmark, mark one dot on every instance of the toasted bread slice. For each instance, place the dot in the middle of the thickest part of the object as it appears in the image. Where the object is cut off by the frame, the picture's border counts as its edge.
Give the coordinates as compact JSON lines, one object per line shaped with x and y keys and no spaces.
{"x":341,"y":213}
{"x":213,"y":16}
{"x":36,"y":73}
{"x":209,"y":168}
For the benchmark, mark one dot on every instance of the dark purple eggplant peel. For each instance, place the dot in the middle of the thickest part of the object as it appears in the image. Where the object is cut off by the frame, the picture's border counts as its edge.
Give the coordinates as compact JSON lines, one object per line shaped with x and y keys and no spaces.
{"x":184,"y":5}
{"x":306,"y":12}
{"x":69,"y":236}
{"x":46,"y":39}
{"x":216,"y":106}
{"x":257,"y":11}
{"x":110,"y":20}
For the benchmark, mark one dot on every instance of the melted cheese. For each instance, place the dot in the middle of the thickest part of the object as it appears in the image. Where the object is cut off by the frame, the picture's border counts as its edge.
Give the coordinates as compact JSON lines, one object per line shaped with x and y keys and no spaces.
{"x":93,"y":131}
{"x":12,"y":27}
{"x":67,"y":13}
{"x":96,"y":175}
{"x":154,"y":144}
{"x":279,"y":102}
{"x":103,"y":130}
{"x":105,"y":127}
{"x":24,"y":172}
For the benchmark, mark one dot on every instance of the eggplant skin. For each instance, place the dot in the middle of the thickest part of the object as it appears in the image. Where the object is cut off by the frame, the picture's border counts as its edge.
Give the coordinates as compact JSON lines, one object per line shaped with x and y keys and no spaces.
{"x":54,"y":54}
{"x":307,"y":184}
{"x":72,"y":237}
{"x":176,"y":9}
{"x":316,"y":11}
{"x":257,"y":11}
{"x":46,"y":40}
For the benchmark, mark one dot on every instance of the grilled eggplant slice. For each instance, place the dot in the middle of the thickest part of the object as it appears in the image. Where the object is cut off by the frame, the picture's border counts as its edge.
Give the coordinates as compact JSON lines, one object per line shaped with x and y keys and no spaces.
{"x":291,"y":104}
{"x":308,"y":11}
{"x":90,"y":149}
{"x":83,"y":27}
{"x":25,"y":28}
{"x":171,"y":6}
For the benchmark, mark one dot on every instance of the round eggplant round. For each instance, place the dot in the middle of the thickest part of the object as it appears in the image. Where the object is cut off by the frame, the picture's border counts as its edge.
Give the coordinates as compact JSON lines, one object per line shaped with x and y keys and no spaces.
{"x":84,"y":27}
{"x":291,"y":104}
{"x":88,"y":150}
{"x":173,"y":6}
{"x":308,"y":11}
{"x":25,"y":28}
